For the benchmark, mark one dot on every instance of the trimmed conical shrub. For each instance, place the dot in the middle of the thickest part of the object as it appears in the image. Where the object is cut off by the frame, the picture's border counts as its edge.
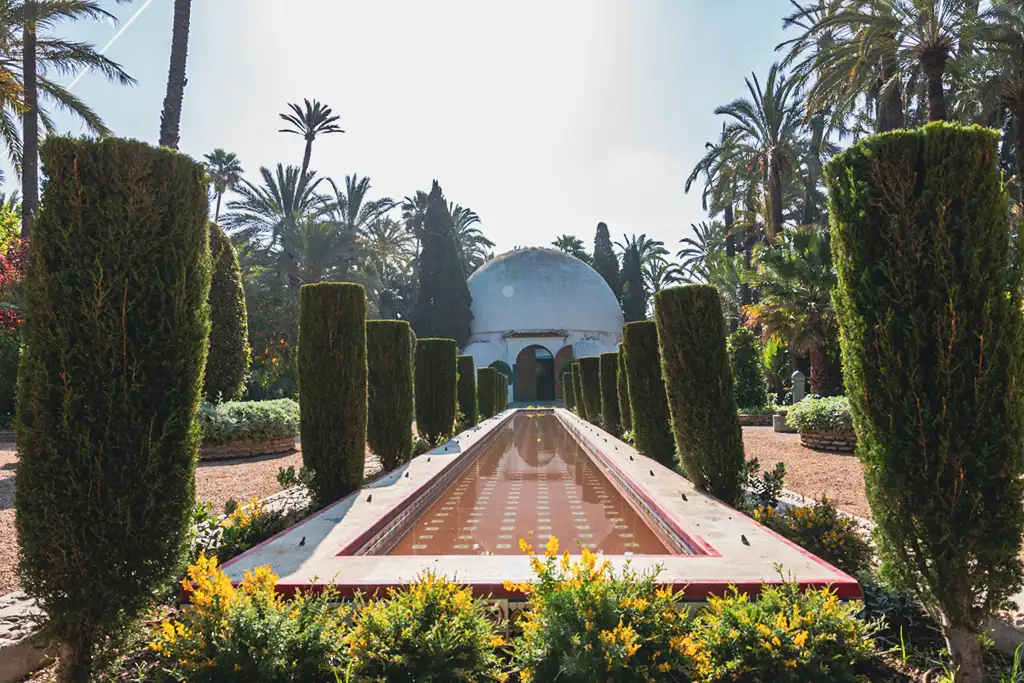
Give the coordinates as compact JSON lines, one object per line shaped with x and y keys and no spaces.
{"x":623,"y":389}
{"x":610,"y":393}
{"x":648,"y":405}
{"x":332,"y":387}
{"x":486,"y":393}
{"x":567,"y":391}
{"x":436,"y":388}
{"x":227,"y":363}
{"x":928,"y":302}
{"x":389,"y":391}
{"x":577,"y":388}
{"x":590,"y":382}
{"x":467,"y":391}
{"x":695,"y":368}
{"x":115,"y":341}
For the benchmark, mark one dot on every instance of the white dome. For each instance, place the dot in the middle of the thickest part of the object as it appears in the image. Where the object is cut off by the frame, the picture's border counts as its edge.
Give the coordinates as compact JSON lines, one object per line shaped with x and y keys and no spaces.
{"x":541,"y":289}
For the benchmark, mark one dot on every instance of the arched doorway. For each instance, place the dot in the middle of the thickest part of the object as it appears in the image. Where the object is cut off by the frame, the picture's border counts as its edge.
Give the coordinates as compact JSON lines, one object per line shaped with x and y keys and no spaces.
{"x":564,"y":354}
{"x":535,"y":375}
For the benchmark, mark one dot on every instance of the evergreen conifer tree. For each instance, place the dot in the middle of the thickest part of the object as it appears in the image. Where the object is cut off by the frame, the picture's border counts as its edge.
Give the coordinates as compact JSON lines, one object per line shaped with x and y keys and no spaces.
{"x":605,"y":261}
{"x":634,"y":296}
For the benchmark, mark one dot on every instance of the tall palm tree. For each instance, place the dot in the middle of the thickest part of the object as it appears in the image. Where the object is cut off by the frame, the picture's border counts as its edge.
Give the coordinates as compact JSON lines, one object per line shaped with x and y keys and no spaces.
{"x":414,"y":215}
{"x":660,"y":273}
{"x":225,"y":171}
{"x":646,"y":249}
{"x":351,"y":208}
{"x":470,"y":240}
{"x":170,"y":119}
{"x":572,"y":245}
{"x":708,"y":238}
{"x":388,"y":247}
{"x":315,"y":119}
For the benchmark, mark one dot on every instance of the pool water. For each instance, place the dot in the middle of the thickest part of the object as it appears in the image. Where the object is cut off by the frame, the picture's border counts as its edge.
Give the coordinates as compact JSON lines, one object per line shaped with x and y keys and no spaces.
{"x":534,"y":481}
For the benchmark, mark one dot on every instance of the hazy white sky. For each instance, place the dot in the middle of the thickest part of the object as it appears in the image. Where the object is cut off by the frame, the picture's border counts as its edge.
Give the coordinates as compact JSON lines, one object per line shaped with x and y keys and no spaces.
{"x":543,"y":116}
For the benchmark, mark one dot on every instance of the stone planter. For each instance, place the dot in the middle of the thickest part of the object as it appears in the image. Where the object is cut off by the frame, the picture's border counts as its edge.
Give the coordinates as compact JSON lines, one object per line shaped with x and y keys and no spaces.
{"x":779,"y":423}
{"x":841,"y":442}
{"x":245,"y":448}
{"x":755,"y":420}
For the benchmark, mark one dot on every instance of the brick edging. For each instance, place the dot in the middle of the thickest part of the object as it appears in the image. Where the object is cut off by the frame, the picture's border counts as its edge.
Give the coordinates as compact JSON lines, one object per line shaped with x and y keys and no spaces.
{"x":755,"y":420}
{"x":841,"y":442}
{"x":244,"y":448}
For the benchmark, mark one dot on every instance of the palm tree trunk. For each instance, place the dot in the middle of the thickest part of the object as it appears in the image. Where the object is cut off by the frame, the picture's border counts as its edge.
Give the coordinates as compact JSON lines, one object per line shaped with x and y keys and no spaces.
{"x":775,"y":197}
{"x":890,"y":110}
{"x":30,"y":126}
{"x":216,"y":212}
{"x":934,"y":67}
{"x":170,"y":119}
{"x":306,"y":157}
{"x":1018,"y":148}
{"x":810,"y":212}
{"x":730,"y":239}
{"x":819,"y":368}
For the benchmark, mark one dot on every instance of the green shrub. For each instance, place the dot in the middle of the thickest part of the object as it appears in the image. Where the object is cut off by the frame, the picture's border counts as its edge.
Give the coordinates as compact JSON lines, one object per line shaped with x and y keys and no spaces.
{"x":432,"y":632}
{"x":228,"y":361}
{"x":436,"y":388}
{"x":784,"y":636}
{"x":590,"y":383}
{"x":332,"y":387}
{"x":623,"y":392}
{"x":695,"y":365}
{"x":503,"y":367}
{"x":577,"y":389}
{"x":115,"y":340}
{"x":769,"y":408}
{"x":246,"y":526}
{"x":824,"y":531}
{"x":567,"y":390}
{"x":610,"y":393}
{"x":820,"y":415}
{"x":10,"y":355}
{"x":648,"y":404}
{"x":389,"y":391}
{"x":467,"y":391}
{"x":745,"y":362}
{"x":487,"y":392}
{"x":589,"y":624}
{"x":504,"y":386}
{"x":249,"y":420}
{"x":928,"y":305}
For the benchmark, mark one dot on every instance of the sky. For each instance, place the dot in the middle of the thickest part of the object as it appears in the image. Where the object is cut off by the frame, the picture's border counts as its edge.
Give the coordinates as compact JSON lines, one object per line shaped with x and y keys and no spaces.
{"x":543,"y":117}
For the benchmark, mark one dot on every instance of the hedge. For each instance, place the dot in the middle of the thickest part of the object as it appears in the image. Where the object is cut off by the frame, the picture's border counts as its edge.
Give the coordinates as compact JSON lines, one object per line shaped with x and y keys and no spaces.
{"x":567,"y":390}
{"x":746,"y":363}
{"x":590,"y":382}
{"x":487,"y":392}
{"x":577,"y":389}
{"x":820,"y":415}
{"x":648,"y":405}
{"x":436,"y":388}
{"x":115,"y":341}
{"x":695,"y":365}
{"x":504,"y":368}
{"x":223,"y":423}
{"x":467,"y":391}
{"x":623,"y":392}
{"x":389,"y":391}
{"x":610,"y":393}
{"x":928,"y":304}
{"x":228,"y":361}
{"x":332,"y":387}
{"x":502,"y":392}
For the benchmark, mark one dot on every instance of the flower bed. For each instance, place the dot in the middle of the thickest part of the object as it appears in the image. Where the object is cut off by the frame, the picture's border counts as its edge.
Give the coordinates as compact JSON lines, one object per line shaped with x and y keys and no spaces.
{"x":824,"y":423}
{"x":239,"y":429}
{"x":841,"y":442}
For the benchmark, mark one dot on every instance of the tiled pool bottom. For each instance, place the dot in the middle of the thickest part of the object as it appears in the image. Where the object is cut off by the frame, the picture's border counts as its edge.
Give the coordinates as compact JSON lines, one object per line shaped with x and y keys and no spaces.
{"x":534,"y":481}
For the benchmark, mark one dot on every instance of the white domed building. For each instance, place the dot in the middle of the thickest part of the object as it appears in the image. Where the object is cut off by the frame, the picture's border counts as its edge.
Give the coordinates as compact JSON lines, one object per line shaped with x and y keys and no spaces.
{"x":535,"y":308}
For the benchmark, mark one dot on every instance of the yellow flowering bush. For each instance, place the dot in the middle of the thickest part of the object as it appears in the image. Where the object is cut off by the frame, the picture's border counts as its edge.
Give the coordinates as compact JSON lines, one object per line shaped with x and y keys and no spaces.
{"x":432,"y":632}
{"x":824,"y":531}
{"x":785,"y":636}
{"x":247,"y":525}
{"x":588,"y":624}
{"x":249,"y":633}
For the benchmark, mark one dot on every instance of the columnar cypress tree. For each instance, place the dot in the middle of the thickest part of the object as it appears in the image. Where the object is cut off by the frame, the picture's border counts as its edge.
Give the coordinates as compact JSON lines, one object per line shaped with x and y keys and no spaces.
{"x":927,"y":300}
{"x":389,"y":391}
{"x":443,"y":306}
{"x":623,"y":388}
{"x":590,"y":383}
{"x":436,"y":388}
{"x":487,"y":394}
{"x":610,"y":393}
{"x":228,"y":360}
{"x":747,"y":367}
{"x":567,"y":390}
{"x":605,"y":261}
{"x":648,"y":405}
{"x":577,"y":389}
{"x":332,"y":387}
{"x":467,"y":391}
{"x":634,"y":294}
{"x":115,"y":340}
{"x":695,"y":368}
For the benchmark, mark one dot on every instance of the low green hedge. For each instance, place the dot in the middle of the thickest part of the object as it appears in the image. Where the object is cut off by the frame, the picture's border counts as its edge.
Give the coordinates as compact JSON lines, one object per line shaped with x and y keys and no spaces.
{"x":769,"y":408}
{"x":828,"y":415}
{"x":250,"y":420}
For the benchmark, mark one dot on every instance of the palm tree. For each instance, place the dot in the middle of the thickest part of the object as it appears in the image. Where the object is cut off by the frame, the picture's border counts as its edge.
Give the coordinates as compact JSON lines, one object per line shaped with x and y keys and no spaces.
{"x":315,"y":119}
{"x":170,"y":119}
{"x":388,"y":247}
{"x":351,"y":207}
{"x":470,"y":240}
{"x":660,"y":273}
{"x":708,"y":238}
{"x":646,"y":249}
{"x":414,"y":215}
{"x":225,"y":171}
{"x":572,"y":245}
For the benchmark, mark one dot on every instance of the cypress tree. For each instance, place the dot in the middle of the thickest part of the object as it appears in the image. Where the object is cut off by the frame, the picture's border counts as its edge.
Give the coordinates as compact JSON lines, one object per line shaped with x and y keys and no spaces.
{"x":467,"y":391}
{"x":610,"y":393}
{"x":486,"y":392}
{"x":389,"y":391}
{"x":605,"y":261}
{"x":503,"y":368}
{"x":623,"y":388}
{"x":436,"y":388}
{"x":115,"y":341}
{"x":695,"y":368}
{"x":928,"y":305}
{"x":332,"y":387}
{"x":590,"y":383}
{"x":747,"y":367}
{"x":648,"y":405}
{"x":577,"y":390}
{"x":634,"y":294}
{"x":227,"y":363}
{"x":443,"y":305}
{"x":567,"y":390}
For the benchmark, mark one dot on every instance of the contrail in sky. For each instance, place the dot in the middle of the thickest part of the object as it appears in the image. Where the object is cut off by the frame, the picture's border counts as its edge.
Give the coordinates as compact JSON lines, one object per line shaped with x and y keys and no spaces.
{"x":113,"y":40}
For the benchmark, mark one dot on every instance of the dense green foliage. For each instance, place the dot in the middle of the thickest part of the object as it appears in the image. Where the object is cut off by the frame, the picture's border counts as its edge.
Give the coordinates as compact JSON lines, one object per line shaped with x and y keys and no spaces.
{"x":389,"y":391}
{"x":567,"y":390}
{"x":332,"y":387}
{"x":823,"y":530}
{"x":695,"y":366}
{"x":605,"y":262}
{"x":443,"y":305}
{"x":622,"y":389}
{"x":222,"y":423}
{"x":648,"y":404}
{"x":467,"y":391}
{"x":503,"y":387}
{"x":504,"y":368}
{"x":610,"y":419}
{"x":487,"y":392}
{"x":577,"y":389}
{"x":227,"y":364}
{"x":820,"y":415}
{"x":590,"y":383}
{"x":745,"y":361}
{"x":634,"y":293}
{"x":10,"y":356}
{"x":928,"y":303}
{"x":115,"y":343}
{"x":436,"y":388}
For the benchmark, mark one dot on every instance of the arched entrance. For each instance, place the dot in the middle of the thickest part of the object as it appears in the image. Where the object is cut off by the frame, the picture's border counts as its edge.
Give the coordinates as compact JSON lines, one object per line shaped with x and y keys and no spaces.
{"x":535,"y":375}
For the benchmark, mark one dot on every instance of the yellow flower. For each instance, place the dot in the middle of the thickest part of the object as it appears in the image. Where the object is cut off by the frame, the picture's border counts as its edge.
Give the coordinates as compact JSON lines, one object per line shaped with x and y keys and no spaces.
{"x":551,"y":550}
{"x":800,"y":639}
